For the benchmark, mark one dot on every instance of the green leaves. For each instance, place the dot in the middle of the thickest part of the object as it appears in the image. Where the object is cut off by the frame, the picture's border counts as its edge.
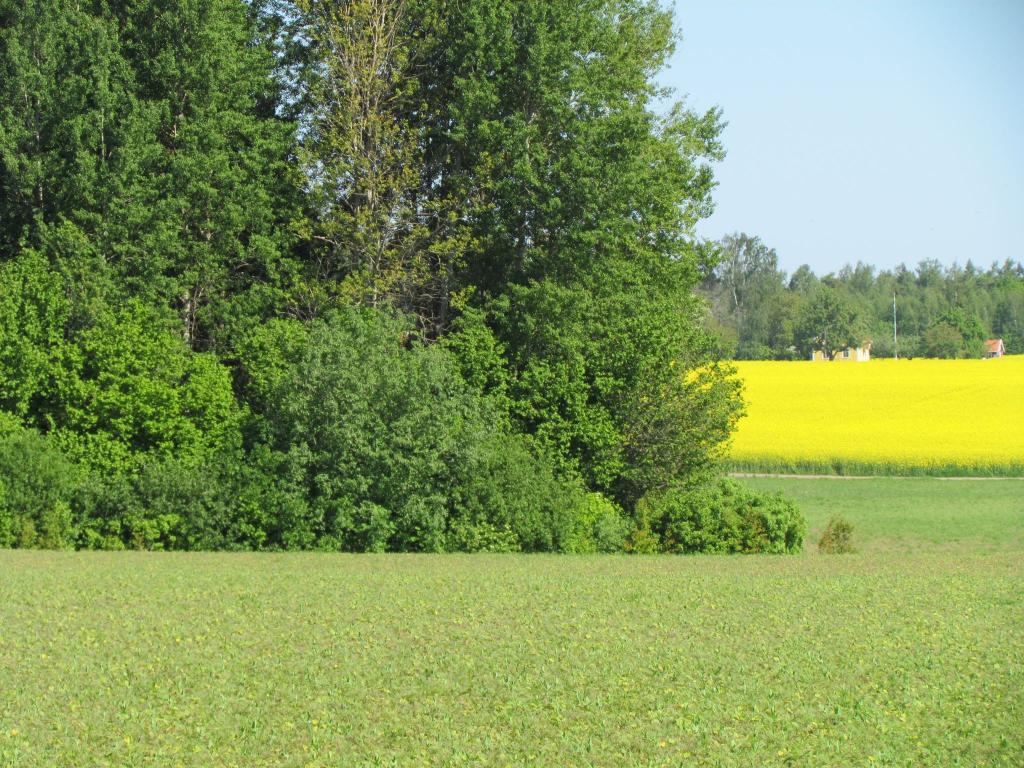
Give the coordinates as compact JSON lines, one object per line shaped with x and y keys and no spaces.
{"x":63,"y":103}
{"x":217,"y":218}
{"x":583,"y":254}
{"x":722,"y":517}
{"x":33,"y":314}
{"x":147,"y":130}
{"x":828,"y":322}
{"x":384,"y":228}
{"x":131,"y":388}
{"x":955,"y":333}
{"x":390,"y":446}
{"x":36,"y":486}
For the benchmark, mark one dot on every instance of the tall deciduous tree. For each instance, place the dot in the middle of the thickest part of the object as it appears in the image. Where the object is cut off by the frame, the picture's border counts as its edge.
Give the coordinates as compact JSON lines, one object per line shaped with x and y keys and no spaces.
{"x":204,"y":223}
{"x":383,"y":232}
{"x":184,"y":178}
{"x":745,"y":290}
{"x":509,"y":157}
{"x":142,"y":151}
{"x":65,"y":110}
{"x":748,"y":271}
{"x":828,"y":322}
{"x":584,"y":252}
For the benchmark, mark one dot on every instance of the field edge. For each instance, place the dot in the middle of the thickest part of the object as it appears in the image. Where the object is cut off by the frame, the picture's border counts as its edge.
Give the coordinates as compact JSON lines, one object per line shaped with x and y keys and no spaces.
{"x":851,"y":467}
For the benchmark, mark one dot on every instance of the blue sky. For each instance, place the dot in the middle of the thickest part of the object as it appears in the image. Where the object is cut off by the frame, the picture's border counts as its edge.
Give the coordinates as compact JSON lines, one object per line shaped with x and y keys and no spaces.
{"x":882,"y":131}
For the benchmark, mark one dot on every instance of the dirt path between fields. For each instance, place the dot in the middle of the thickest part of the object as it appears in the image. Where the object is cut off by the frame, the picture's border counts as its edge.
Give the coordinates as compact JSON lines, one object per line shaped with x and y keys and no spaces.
{"x":863,"y":477}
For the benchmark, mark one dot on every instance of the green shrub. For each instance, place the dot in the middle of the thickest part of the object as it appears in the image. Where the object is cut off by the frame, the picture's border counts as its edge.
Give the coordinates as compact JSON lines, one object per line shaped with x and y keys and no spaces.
{"x":773,"y":524}
{"x":642,"y":541}
{"x":837,"y":538}
{"x":599,"y":526}
{"x":481,"y":537}
{"x":33,"y":313}
{"x":37,"y":483}
{"x":231,"y":501}
{"x":389,"y":446}
{"x":131,"y":391}
{"x":503,"y":481}
{"x":720,"y":517}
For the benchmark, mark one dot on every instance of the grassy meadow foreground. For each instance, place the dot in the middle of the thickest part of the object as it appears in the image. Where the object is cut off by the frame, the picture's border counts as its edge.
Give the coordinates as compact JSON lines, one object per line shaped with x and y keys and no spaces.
{"x":884,"y":417}
{"x":888,"y":657}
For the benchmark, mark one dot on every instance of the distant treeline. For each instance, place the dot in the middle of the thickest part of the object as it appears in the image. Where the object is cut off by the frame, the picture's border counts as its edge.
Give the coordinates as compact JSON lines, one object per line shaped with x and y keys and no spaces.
{"x":358,"y":275}
{"x":758,"y":312}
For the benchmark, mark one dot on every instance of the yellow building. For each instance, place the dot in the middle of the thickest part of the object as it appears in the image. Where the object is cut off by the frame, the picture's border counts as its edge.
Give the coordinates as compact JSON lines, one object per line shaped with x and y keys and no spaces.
{"x":859,"y":354}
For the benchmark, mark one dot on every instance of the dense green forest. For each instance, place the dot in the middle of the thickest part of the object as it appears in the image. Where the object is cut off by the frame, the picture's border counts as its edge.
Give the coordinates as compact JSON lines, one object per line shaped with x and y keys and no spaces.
{"x":759,"y":312}
{"x":358,"y":275}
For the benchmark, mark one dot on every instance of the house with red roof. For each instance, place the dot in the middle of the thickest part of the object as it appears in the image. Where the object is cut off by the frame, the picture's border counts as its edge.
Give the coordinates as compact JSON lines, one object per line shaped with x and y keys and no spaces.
{"x":994,"y":348}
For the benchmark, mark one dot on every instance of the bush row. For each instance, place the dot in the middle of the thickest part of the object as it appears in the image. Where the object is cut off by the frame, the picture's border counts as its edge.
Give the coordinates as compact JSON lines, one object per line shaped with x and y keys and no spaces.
{"x":353,"y":437}
{"x":248,"y":502}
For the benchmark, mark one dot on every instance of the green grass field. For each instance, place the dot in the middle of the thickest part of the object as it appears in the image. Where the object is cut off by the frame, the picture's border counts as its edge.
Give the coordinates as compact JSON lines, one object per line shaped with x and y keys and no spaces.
{"x":905,"y":514}
{"x":908,"y":654}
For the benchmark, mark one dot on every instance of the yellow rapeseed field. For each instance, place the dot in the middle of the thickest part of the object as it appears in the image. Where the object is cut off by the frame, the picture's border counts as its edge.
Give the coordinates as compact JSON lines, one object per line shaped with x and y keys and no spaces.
{"x":906,"y":416}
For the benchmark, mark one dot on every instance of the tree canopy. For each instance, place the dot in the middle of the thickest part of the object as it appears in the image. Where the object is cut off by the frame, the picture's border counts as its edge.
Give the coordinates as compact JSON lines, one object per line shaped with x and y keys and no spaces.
{"x":757,"y":313}
{"x":363,"y":274}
